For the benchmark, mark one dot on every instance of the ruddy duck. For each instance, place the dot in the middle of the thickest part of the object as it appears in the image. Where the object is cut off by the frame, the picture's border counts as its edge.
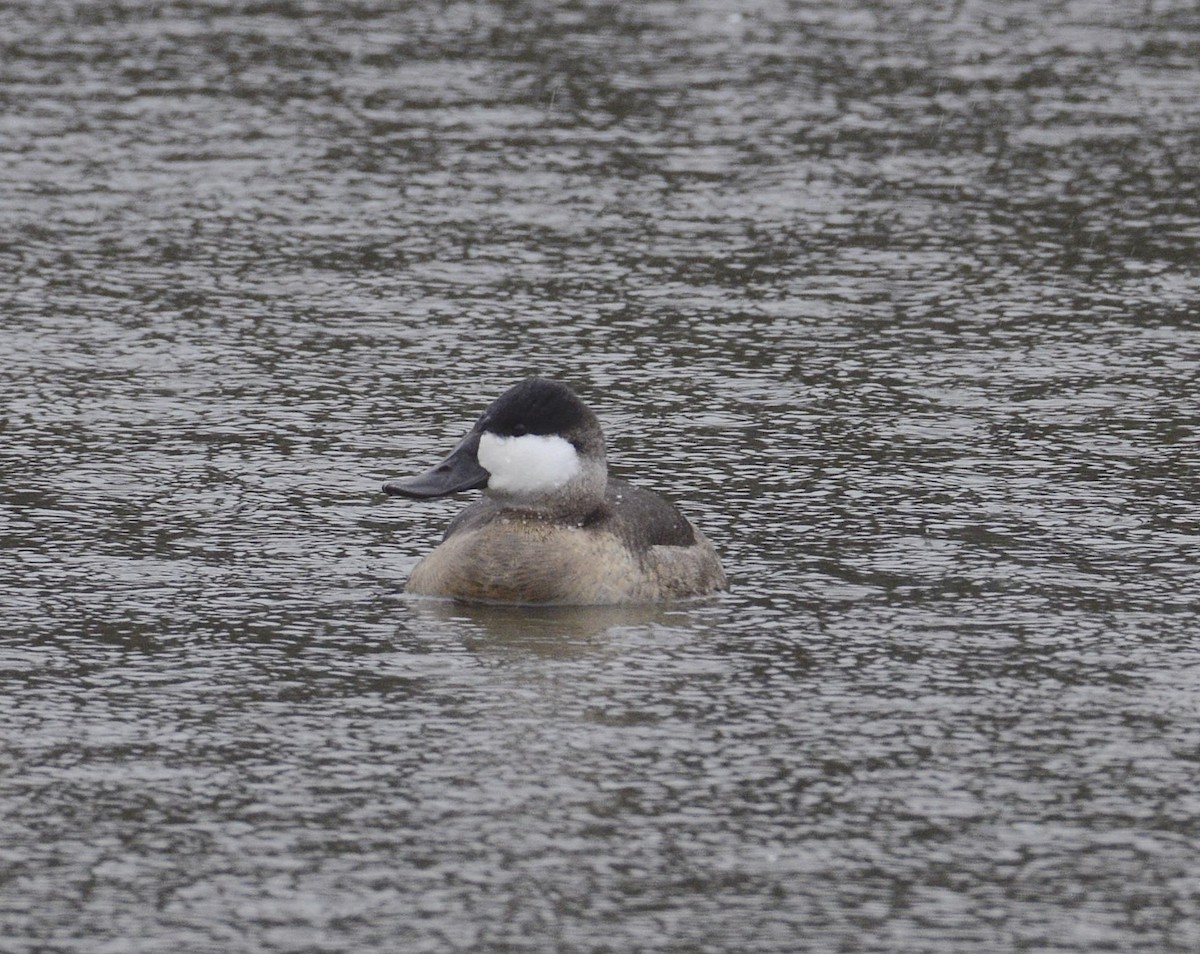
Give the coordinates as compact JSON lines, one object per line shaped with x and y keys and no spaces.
{"x":553,"y":526}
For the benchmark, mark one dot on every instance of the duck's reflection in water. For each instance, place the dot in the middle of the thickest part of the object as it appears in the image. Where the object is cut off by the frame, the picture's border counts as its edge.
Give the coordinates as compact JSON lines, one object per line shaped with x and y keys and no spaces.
{"x":554,"y":631}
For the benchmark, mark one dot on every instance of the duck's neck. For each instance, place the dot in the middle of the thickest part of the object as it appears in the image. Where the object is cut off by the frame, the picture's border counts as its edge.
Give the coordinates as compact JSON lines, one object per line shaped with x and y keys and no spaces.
{"x":579,"y":495}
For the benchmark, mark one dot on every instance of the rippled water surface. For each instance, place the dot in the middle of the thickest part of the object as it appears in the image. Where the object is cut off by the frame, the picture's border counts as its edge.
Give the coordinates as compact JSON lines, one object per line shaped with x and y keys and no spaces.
{"x":899,"y":301}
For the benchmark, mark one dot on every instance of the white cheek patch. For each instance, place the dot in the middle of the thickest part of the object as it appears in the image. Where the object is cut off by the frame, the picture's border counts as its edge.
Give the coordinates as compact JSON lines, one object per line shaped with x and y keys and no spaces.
{"x":527,"y":465}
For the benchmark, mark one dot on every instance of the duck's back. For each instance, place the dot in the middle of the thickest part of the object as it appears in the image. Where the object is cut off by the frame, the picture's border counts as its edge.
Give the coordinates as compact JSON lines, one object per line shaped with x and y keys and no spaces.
{"x":643,"y":519}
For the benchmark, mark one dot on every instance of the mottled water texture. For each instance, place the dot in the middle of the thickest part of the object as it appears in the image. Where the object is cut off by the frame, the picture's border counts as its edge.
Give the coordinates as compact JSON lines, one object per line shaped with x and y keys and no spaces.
{"x":898,"y":300}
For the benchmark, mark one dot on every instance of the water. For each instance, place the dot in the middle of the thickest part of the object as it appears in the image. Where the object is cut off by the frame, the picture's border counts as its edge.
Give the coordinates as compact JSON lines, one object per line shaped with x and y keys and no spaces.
{"x":898,"y":301}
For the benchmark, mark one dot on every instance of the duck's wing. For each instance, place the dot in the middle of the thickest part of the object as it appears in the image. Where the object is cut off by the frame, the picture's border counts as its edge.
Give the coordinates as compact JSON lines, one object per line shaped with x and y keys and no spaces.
{"x":644,"y":519}
{"x":482,"y":511}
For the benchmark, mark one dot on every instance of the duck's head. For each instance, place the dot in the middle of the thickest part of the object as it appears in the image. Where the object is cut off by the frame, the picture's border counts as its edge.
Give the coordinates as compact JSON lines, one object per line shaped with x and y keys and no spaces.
{"x":536,"y":444}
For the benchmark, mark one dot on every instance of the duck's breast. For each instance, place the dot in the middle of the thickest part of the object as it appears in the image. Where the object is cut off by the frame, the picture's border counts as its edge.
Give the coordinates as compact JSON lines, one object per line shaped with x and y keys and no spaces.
{"x":513,"y":561}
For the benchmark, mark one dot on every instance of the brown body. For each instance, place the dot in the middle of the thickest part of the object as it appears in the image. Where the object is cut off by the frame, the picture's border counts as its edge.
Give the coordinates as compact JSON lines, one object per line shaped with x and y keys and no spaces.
{"x":635,"y":548}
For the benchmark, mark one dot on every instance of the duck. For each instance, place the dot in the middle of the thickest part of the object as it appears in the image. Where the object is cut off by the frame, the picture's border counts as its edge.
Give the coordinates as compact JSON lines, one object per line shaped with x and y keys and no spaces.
{"x":552,"y":527}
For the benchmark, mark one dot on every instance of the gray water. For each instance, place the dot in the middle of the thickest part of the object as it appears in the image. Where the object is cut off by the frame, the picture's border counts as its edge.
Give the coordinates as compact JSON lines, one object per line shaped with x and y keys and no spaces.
{"x":897,"y":300}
